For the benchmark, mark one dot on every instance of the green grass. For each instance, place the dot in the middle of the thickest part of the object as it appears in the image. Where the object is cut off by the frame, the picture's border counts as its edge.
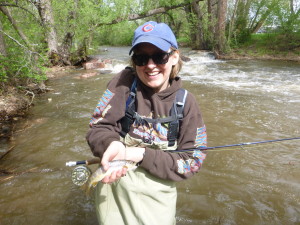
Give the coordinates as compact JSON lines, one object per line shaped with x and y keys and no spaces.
{"x":270,"y":44}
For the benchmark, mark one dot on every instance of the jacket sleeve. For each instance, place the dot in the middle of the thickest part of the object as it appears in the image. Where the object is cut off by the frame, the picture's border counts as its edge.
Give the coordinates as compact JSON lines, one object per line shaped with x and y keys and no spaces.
{"x":192,"y":134}
{"x":104,"y":126}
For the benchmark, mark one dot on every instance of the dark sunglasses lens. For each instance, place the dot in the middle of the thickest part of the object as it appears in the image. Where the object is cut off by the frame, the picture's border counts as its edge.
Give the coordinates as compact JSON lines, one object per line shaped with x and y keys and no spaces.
{"x":140,"y":60}
{"x":160,"y":58}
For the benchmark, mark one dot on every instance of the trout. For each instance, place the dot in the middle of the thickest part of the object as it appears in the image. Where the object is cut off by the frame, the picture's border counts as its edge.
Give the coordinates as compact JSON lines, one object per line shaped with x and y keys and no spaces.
{"x":114,"y":165}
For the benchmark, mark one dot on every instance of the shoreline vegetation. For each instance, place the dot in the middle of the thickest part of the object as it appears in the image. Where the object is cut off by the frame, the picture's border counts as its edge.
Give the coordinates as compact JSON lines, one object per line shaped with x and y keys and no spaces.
{"x":245,"y":54}
{"x":14,"y":104}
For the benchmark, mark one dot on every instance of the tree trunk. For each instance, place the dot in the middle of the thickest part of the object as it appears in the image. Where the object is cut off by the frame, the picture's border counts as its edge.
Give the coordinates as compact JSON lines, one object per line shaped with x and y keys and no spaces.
{"x":3,"y":54}
{"x":221,"y":45}
{"x":190,"y":19}
{"x":7,"y":13}
{"x":199,"y":32}
{"x":194,"y":17}
{"x":232,"y":20}
{"x":292,"y":6}
{"x":243,"y":14}
{"x":45,"y":11}
{"x":212,"y":15}
{"x":176,"y":25}
{"x":67,"y":43}
{"x":2,"y":42}
{"x":263,"y":17}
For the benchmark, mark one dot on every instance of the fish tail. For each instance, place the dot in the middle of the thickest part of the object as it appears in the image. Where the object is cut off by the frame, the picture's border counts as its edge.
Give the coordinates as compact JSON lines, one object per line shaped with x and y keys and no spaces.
{"x":88,"y":190}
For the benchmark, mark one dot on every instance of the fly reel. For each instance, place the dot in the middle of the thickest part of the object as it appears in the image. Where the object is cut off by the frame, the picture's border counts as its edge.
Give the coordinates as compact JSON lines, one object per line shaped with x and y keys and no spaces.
{"x":80,"y":175}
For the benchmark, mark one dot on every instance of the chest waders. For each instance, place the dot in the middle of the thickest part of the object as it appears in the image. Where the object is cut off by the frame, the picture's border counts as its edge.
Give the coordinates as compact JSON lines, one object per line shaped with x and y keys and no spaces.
{"x":176,"y":114}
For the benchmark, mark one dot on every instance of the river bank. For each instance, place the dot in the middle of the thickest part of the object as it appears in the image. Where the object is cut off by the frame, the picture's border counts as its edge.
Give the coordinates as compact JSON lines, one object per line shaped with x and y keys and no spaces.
{"x":15,"y":103}
{"x":252,"y":54}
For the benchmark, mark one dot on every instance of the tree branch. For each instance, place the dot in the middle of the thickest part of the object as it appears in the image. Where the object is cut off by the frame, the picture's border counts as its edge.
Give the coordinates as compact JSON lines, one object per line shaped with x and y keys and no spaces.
{"x":14,"y":40}
{"x":152,"y":12}
{"x":18,"y":43}
{"x":17,"y":6}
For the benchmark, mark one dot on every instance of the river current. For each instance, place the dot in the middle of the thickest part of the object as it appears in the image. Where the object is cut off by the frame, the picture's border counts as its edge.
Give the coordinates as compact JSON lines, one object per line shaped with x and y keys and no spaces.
{"x":241,"y":101}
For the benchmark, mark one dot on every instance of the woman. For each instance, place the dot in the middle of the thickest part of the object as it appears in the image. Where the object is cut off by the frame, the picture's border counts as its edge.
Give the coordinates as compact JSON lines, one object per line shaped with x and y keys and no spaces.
{"x":148,"y":194}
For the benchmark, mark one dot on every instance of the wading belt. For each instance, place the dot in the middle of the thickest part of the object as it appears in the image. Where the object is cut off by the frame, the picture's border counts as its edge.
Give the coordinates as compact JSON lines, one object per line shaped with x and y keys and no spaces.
{"x":176,"y":114}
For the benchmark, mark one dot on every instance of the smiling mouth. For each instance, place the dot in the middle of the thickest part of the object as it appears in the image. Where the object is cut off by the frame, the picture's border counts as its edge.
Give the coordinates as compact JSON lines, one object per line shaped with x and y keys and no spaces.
{"x":152,"y":74}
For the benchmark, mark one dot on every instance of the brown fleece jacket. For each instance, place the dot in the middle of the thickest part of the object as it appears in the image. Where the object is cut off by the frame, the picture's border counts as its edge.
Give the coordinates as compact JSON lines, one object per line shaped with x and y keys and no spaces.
{"x":106,"y":126}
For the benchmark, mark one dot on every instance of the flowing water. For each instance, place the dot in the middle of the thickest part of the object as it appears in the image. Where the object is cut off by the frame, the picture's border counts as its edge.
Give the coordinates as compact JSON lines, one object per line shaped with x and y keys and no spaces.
{"x":241,"y":101}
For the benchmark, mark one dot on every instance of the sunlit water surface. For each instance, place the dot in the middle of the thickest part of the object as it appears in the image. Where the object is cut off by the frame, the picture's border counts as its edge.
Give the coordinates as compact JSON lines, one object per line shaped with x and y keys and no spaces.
{"x":241,"y":101}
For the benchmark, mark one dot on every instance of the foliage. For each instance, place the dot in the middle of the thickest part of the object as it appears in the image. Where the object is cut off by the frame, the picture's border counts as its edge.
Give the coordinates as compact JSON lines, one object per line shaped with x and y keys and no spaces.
{"x":83,"y":22}
{"x":286,"y":22}
{"x":270,"y":44}
{"x":21,"y":65}
{"x":21,"y":68}
{"x":275,"y":18}
{"x":116,"y":35}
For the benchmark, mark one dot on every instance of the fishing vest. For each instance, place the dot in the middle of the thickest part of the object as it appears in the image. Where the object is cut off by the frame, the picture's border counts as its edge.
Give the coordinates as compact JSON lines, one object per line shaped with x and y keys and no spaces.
{"x":176,"y":114}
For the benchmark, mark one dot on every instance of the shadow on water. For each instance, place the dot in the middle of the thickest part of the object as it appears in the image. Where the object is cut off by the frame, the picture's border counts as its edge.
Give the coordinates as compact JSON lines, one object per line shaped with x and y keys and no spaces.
{"x":240,"y":101}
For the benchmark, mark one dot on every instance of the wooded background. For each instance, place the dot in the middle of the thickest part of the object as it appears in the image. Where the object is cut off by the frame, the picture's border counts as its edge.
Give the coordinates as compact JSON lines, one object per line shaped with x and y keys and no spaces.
{"x":35,"y":34}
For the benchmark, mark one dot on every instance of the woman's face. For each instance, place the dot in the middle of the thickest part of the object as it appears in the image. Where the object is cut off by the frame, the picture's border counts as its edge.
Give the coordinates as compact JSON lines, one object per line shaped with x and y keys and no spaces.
{"x":154,"y":75}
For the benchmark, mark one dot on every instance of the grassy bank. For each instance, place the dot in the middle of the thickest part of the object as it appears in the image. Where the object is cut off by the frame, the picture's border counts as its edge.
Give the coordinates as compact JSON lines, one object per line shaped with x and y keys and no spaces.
{"x":270,"y":46}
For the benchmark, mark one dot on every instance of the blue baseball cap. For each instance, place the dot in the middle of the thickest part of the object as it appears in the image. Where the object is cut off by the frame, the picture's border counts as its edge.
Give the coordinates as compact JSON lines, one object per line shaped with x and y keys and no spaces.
{"x":158,"y":34}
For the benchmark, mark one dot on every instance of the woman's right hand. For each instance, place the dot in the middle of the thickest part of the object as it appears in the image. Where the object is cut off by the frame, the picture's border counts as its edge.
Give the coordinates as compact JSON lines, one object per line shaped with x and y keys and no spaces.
{"x":116,"y":150}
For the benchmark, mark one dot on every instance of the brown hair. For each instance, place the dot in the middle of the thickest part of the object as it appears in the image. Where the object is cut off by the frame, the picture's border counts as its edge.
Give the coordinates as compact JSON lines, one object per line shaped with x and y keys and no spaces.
{"x":176,"y":69}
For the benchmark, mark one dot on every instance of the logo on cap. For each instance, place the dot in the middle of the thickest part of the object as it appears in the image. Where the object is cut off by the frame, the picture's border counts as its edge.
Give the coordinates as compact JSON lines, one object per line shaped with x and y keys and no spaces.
{"x":148,"y":28}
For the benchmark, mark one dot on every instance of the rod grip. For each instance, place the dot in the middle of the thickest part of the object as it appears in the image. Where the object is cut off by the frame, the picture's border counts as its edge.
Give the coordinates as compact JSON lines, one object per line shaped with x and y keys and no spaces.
{"x":93,"y":161}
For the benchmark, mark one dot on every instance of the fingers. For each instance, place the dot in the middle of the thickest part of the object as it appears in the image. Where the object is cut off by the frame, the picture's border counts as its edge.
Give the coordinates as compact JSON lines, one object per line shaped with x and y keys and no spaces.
{"x":124,"y":171}
{"x":116,"y":150}
{"x":114,"y":176}
{"x":104,"y":161}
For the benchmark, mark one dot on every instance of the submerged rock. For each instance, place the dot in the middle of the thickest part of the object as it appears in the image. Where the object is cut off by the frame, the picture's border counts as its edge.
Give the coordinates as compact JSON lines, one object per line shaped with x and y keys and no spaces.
{"x":96,"y":64}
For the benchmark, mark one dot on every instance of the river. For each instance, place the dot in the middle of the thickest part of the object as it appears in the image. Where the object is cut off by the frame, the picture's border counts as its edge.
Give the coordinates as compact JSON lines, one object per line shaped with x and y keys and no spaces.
{"x":241,"y":101}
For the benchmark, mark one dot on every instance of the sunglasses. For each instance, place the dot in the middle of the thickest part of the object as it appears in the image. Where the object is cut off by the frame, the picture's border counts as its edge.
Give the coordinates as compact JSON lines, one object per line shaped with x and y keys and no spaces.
{"x":158,"y":58}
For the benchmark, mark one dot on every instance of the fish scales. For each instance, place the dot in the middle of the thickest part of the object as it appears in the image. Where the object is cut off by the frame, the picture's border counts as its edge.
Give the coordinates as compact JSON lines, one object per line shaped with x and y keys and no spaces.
{"x":114,"y":165}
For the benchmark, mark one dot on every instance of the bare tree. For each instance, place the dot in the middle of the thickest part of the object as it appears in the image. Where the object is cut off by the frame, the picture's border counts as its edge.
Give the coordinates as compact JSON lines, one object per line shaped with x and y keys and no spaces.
{"x":212,"y":15}
{"x":220,"y":37}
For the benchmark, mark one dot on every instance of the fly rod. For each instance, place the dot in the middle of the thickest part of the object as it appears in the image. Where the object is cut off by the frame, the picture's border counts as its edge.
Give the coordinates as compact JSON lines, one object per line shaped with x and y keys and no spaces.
{"x":97,"y":160}
{"x":236,"y":145}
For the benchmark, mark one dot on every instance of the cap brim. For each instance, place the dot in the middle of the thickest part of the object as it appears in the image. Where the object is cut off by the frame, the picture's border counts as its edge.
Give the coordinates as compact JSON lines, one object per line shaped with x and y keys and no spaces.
{"x":158,"y":42}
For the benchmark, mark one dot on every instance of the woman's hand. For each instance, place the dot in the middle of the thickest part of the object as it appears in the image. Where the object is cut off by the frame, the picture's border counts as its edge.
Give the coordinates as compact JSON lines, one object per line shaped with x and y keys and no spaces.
{"x":135,"y":154}
{"x":115,"y":151}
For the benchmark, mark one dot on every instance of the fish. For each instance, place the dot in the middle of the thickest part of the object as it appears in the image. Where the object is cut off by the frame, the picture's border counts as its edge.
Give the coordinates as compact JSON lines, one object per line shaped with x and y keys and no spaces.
{"x":114,"y":165}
